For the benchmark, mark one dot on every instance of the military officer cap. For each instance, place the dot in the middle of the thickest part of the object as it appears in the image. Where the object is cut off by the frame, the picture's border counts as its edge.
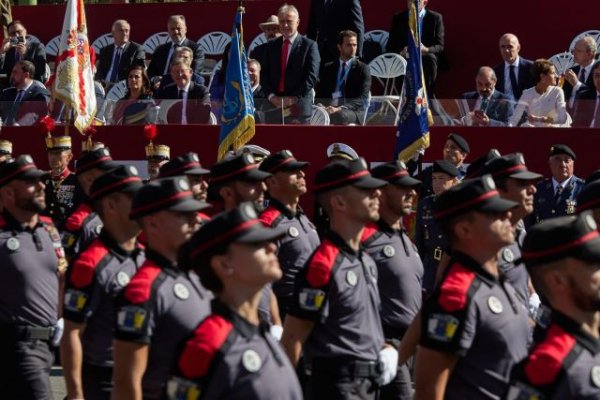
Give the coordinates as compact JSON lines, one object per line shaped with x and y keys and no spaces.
{"x":240,"y":225}
{"x":6,"y":147}
{"x":58,"y":143}
{"x":158,"y":152}
{"x":395,"y":173}
{"x":509,"y":166}
{"x":589,"y":197}
{"x":562,"y":149}
{"x":593,"y":177}
{"x":173,"y":194}
{"x":88,"y":145}
{"x":477,"y":194}
{"x":460,"y":142}
{"x":124,"y":178}
{"x":341,"y":150}
{"x":185,"y":164}
{"x":242,"y":168}
{"x":344,"y":173}
{"x":474,"y":169}
{"x":258,"y":152}
{"x":445,"y":167}
{"x":99,"y":159}
{"x":553,"y":239}
{"x":20,"y":168}
{"x":283,"y":160}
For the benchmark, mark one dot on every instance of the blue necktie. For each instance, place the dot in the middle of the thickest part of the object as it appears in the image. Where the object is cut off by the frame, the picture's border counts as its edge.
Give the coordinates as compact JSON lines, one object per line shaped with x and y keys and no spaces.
{"x":115,"y":67}
{"x":513,"y":81}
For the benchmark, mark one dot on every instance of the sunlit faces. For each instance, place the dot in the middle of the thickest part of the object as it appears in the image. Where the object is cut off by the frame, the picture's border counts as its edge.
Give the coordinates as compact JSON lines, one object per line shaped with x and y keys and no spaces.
{"x":154,"y":165}
{"x":453,"y":154}
{"x":177,"y":29}
{"x":288,"y":23}
{"x":17,"y":30}
{"x":582,"y":54}
{"x":291,"y":183}
{"x":400,"y":200}
{"x":551,"y":78}
{"x":254,"y":73}
{"x":28,"y":194}
{"x":562,"y":166}
{"x":175,"y":227}
{"x":199,"y":187}
{"x":509,"y":48}
{"x":121,"y":32}
{"x":271,"y":31}
{"x":250,"y":191}
{"x":181,"y":75}
{"x":18,"y":77}
{"x":184,"y":54}
{"x":121,"y":205}
{"x":485,"y":84}
{"x":522,"y":192}
{"x":584,"y":283}
{"x":253,"y":264}
{"x":134,"y":80}
{"x":440,"y":182}
{"x":490,"y":231}
{"x":59,"y":159}
{"x":360,"y":205}
{"x":348,"y":47}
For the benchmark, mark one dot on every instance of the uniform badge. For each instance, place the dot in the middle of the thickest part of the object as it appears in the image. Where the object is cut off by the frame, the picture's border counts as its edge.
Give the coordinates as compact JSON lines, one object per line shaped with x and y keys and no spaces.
{"x":495,"y":305}
{"x":122,"y":279}
{"x":571,"y":205}
{"x":521,"y":391}
{"x":13,"y":244}
{"x":351,"y":278}
{"x":508,"y":255}
{"x":98,"y":229}
{"x":442,"y":327}
{"x":293,"y":231}
{"x":75,"y":300}
{"x":311,"y":299}
{"x":178,"y":388}
{"x":389,"y":251}
{"x":131,"y":319}
{"x":251,"y":361}
{"x":181,"y":292}
{"x":595,"y":375}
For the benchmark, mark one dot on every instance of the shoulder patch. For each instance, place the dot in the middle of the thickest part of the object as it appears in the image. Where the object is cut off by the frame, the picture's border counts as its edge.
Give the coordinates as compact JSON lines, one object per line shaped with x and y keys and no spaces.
{"x":82,"y":270}
{"x":75,"y":220}
{"x":139,"y":289}
{"x":545,"y":361}
{"x":270,"y":216}
{"x":321,"y":264}
{"x":201,"y":349}
{"x":454,"y":289}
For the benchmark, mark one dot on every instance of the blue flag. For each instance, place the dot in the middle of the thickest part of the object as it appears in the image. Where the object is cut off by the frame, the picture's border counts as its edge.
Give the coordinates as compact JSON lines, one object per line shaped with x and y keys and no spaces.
{"x":237,"y":119}
{"x":414,"y":116}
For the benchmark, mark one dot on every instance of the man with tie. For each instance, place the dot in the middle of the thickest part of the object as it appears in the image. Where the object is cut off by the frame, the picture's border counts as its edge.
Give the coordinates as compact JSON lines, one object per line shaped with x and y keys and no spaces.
{"x":345,"y":83}
{"x":17,"y":47}
{"x":23,"y":90}
{"x":290,"y":69}
{"x":489,"y":106}
{"x":116,"y":59}
{"x":164,"y":54}
{"x":587,"y":103}
{"x":514,"y":74}
{"x":579,"y":77}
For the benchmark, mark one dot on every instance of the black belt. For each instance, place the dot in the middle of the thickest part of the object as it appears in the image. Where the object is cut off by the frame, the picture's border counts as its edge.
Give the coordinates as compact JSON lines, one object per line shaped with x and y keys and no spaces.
{"x":25,"y":332}
{"x":345,"y":368}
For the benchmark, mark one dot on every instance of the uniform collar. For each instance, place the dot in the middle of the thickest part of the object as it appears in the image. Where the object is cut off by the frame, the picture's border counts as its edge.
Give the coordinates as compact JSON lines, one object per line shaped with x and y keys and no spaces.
{"x":469,"y":263}
{"x":341,"y":244}
{"x":585,"y":339}
{"x":284,"y":209}
{"x":160,"y":260}
{"x":62,"y":176}
{"x":12,"y":224}
{"x":385,"y":227}
{"x":114,"y":247}
{"x":242,"y":325}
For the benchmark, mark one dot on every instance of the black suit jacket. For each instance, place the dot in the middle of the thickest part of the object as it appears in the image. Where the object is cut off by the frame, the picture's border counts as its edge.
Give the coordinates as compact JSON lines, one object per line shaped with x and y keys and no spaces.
{"x":159,"y":57}
{"x":499,"y":110}
{"x":568,"y":88}
{"x":36,"y":53}
{"x":585,"y":106}
{"x":11,"y":111}
{"x":356,"y":89}
{"x":525,"y":80}
{"x":134,"y":54}
{"x":325,"y":22}
{"x":195,"y":92}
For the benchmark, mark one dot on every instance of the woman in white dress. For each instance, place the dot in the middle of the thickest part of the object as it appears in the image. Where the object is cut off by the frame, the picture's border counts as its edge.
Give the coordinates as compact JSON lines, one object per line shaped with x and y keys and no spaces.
{"x":544,"y":104}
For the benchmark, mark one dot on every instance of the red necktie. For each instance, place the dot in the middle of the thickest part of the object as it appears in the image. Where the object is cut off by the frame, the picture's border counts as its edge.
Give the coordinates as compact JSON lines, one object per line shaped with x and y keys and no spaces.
{"x":284,"y":56}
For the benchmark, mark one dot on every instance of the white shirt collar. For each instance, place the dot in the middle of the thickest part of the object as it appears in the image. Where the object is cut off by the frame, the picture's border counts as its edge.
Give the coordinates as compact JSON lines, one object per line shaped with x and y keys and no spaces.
{"x":186,"y":88}
{"x":292,"y":38}
{"x":516,"y":63}
{"x":563,"y":184}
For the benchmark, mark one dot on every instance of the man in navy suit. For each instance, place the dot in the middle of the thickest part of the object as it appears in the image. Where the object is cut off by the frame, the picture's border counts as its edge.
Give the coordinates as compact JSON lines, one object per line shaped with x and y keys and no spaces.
{"x":289,"y":80}
{"x":16,"y":47}
{"x":488,"y":106}
{"x":587,"y":103}
{"x":328,"y":18}
{"x":579,"y":77}
{"x":115,"y":59}
{"x":163,"y":55}
{"x":24,"y":90}
{"x":345,"y":83}
{"x":514,"y":74}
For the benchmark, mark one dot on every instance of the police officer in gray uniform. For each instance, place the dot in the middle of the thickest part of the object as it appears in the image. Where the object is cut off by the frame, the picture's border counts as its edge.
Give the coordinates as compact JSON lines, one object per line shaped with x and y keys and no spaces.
{"x":95,"y":277}
{"x":473,"y":327}
{"x":231,"y":354}
{"x":400,"y":270}
{"x":285,"y":187}
{"x":32,"y":261}
{"x":162,"y":305}
{"x":563,"y":258}
{"x":335,"y":315}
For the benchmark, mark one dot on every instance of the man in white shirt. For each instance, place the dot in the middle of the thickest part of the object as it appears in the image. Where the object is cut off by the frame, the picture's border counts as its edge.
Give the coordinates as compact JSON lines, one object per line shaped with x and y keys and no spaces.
{"x":514,"y":74}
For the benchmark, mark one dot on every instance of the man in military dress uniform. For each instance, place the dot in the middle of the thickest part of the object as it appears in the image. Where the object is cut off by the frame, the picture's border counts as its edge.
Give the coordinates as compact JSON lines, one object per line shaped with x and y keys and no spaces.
{"x":63,"y":193}
{"x":157,"y":155}
{"x":6,"y":149}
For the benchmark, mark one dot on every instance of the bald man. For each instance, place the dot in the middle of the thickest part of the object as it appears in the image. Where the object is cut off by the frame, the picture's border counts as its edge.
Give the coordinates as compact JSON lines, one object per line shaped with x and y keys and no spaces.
{"x":514,"y":73}
{"x":488,"y":106}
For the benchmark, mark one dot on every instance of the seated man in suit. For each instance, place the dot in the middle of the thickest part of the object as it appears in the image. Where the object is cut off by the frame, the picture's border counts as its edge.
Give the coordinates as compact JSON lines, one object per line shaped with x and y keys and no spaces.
{"x":195,"y":98}
{"x":345,"y":83}
{"x":514,"y":74}
{"x":24,"y":89}
{"x":257,"y":91}
{"x":188,"y":55}
{"x":270,"y":30}
{"x":587,"y":102}
{"x":115,"y":59}
{"x":432,"y":42}
{"x":579,"y":77}
{"x":16,"y":47}
{"x":490,"y":107}
{"x":290,"y":69}
{"x":162,"y":56}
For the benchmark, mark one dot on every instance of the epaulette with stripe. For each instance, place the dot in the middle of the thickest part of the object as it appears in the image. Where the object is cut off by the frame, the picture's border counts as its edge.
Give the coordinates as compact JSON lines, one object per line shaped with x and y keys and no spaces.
{"x":139,"y":289}
{"x":76,"y":219}
{"x":271,"y":217}
{"x":321,"y":264}
{"x":454,"y":291}
{"x":82,"y":270}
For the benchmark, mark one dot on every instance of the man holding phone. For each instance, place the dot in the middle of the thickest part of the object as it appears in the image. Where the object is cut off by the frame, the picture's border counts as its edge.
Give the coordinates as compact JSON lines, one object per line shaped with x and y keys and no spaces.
{"x":17,"y":48}
{"x":489,"y":106}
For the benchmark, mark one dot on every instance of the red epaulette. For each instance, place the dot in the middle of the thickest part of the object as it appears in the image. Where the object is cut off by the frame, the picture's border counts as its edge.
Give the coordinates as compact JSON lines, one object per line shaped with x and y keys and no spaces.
{"x":455,"y":287}
{"x":75,"y":220}
{"x":369,"y":230}
{"x":201,"y":349}
{"x":270,"y":216}
{"x":82,"y":270}
{"x":321,"y":264}
{"x":203,"y":216}
{"x":139,"y":289}
{"x":545,"y":361}
{"x":142,"y":239}
{"x":46,"y":220}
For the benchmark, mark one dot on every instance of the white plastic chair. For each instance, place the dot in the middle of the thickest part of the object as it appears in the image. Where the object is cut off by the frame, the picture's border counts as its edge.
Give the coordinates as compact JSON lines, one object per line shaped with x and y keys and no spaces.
{"x":562,"y":62}
{"x":214,"y":71}
{"x":595,"y":34}
{"x":154,"y":41}
{"x":379,"y":36}
{"x":117,"y":92}
{"x":386,"y":68}
{"x":213,"y":43}
{"x":102,"y":42}
{"x":319,"y":116}
{"x":52,"y":47}
{"x":257,"y":41}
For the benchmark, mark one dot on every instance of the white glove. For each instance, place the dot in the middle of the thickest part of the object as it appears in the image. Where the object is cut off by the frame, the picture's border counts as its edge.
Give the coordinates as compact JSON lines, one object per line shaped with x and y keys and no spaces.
{"x":276,"y":331}
{"x":534,"y":304}
{"x":58,"y":332}
{"x":388,"y":365}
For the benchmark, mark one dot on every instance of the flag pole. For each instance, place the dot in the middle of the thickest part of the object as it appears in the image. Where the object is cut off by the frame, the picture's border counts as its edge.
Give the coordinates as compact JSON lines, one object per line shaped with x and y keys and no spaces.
{"x":67,"y":119}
